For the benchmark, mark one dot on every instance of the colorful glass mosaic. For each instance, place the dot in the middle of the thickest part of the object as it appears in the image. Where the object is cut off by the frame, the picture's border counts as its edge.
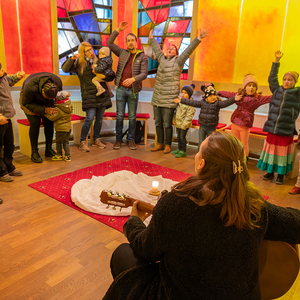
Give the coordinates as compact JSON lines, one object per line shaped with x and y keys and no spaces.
{"x":79,"y":21}
{"x":171,"y":22}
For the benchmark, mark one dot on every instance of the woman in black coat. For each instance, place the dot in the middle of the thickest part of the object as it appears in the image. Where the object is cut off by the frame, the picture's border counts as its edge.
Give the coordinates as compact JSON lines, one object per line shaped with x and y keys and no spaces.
{"x":93,"y":105}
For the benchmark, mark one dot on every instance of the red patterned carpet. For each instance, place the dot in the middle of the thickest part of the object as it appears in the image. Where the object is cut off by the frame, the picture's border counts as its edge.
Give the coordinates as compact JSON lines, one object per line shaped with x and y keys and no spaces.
{"x":59,"y":187}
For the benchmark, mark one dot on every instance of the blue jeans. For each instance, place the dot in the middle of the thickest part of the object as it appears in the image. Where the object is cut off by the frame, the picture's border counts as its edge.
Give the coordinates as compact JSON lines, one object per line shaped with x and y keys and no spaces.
{"x":181,"y":136}
{"x":123,"y":96}
{"x":163,"y":122}
{"x":90,"y":115}
{"x":204,"y":132}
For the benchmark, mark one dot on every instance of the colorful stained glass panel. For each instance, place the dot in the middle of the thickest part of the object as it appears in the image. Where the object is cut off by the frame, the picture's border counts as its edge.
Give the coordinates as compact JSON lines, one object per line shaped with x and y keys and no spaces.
{"x":103,"y":2}
{"x":65,"y":25}
{"x":61,"y":13}
{"x":92,"y":38}
{"x":143,"y":19}
{"x":66,"y":40}
{"x":176,"y":11}
{"x":60,"y":3}
{"x":104,"y":27}
{"x":177,"y":26}
{"x":188,"y":8}
{"x":76,"y":5}
{"x":163,"y":15}
{"x":159,"y":29}
{"x":103,"y":13}
{"x":144,"y":31}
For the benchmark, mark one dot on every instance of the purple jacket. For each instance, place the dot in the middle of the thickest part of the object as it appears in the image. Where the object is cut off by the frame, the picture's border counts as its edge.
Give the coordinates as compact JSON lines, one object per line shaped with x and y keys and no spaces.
{"x":244,"y":113}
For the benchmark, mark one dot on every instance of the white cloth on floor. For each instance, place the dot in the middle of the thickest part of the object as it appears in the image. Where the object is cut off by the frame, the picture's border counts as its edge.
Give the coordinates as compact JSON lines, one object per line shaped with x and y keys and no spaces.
{"x":85,"y":193}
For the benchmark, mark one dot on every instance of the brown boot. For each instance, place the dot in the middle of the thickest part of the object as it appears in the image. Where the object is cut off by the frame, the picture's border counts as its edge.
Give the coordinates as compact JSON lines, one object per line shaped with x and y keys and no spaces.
{"x":158,"y":147}
{"x":167,"y":149}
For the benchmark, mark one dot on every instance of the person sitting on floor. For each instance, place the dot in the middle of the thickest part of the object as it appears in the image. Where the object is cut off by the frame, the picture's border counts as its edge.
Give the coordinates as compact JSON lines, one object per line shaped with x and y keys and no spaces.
{"x":203,"y":239}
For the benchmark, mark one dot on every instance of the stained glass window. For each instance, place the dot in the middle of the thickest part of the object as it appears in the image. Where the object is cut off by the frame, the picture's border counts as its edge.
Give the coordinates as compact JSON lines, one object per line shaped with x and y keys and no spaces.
{"x":171,"y":21}
{"x":79,"y":21}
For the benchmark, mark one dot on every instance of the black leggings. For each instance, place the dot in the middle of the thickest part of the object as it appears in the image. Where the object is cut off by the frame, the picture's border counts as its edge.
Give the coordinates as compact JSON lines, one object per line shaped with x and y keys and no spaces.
{"x":124,"y":258}
{"x":34,"y":130}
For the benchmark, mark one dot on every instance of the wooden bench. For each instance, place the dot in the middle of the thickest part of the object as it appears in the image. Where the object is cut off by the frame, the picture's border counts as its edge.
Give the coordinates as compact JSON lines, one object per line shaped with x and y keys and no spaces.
{"x":139,"y":117}
{"x":24,"y":141}
{"x":196,"y":125}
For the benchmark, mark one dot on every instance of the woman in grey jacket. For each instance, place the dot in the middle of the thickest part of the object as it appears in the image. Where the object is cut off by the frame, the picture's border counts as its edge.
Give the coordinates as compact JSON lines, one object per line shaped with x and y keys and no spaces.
{"x":167,"y":87}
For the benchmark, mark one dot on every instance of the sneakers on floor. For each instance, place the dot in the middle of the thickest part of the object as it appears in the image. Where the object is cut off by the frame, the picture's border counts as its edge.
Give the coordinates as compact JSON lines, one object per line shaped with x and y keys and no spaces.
{"x":67,"y":158}
{"x":181,"y":154}
{"x":295,"y":190}
{"x":15,"y":173}
{"x":279,"y":179}
{"x":132,"y":145}
{"x":268,"y":176}
{"x":6,"y":178}
{"x":175,"y":152}
{"x":83,"y":147}
{"x":57,"y":157}
{"x":167,"y":149}
{"x":158,"y":147}
{"x":99,"y":144}
{"x":117,"y":145}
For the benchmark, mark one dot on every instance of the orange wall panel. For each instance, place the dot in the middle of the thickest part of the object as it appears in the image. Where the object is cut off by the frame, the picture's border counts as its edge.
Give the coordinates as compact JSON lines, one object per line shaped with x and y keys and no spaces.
{"x":36,"y":36}
{"x":215,"y":56}
{"x":260,"y":35}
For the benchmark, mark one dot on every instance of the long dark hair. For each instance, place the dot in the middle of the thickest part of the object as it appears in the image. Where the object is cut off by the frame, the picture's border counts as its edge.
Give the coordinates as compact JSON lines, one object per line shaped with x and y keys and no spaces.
{"x":218,"y":182}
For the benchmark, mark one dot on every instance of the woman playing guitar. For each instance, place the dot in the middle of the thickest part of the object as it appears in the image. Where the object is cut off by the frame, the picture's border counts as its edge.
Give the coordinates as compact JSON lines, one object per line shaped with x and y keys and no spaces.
{"x":204,"y":236}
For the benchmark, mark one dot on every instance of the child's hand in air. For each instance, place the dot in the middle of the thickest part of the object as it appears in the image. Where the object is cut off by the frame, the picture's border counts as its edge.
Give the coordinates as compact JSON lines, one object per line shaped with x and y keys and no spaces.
{"x":278,"y":55}
{"x":238,"y":97}
{"x":177,"y":100}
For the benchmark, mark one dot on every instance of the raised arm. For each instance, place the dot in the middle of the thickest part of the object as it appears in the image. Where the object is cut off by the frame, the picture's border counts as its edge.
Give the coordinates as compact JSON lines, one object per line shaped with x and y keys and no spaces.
{"x":155,"y":46}
{"x":273,"y":77}
{"x":191,"y":47}
{"x":228,"y":102}
{"x":110,"y":41}
{"x":13,"y":79}
{"x":191,"y":102}
{"x":71,"y":64}
{"x":226,"y":94}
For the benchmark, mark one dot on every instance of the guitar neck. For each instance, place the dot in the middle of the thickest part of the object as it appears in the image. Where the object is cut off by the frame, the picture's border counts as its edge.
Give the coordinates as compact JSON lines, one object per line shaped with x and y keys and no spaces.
{"x":146,"y":207}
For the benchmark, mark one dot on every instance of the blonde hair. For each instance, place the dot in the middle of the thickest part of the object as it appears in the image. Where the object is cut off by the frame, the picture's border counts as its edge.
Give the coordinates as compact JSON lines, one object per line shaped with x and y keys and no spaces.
{"x":216,"y":184}
{"x":82,"y":61}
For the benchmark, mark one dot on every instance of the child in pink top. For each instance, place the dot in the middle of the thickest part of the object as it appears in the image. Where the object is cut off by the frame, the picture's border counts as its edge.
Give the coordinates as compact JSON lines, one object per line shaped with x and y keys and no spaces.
{"x":243,"y":117}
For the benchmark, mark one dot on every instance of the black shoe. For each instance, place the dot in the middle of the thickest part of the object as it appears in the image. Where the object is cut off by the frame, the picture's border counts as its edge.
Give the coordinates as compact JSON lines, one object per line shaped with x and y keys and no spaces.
{"x":279,"y":179}
{"x":49,"y":152}
{"x":268,"y":176}
{"x":1,"y":201}
{"x":35,"y":157}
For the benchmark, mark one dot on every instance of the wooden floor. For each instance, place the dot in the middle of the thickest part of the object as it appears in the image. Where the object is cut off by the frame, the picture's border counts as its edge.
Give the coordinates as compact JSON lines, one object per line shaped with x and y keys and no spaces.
{"x":51,"y":251}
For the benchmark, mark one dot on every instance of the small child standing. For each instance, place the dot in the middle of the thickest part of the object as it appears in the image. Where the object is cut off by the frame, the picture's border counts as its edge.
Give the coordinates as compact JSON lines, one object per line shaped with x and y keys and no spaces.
{"x":62,"y":125}
{"x":183,"y":120}
{"x":210,"y":107}
{"x":277,"y":154}
{"x":7,"y":112}
{"x":103,"y":67}
{"x":243,"y":117}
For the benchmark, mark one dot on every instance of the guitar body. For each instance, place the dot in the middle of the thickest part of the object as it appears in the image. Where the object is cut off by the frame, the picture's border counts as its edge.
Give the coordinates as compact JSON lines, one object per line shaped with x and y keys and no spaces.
{"x":278,"y":268}
{"x":278,"y":261}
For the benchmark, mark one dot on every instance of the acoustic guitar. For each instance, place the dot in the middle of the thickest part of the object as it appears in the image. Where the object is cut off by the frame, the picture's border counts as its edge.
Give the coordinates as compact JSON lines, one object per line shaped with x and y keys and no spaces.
{"x":278,"y":261}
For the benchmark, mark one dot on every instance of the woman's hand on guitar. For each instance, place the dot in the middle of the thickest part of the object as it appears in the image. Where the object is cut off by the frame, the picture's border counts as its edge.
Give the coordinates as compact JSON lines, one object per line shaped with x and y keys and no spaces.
{"x":138,"y":213}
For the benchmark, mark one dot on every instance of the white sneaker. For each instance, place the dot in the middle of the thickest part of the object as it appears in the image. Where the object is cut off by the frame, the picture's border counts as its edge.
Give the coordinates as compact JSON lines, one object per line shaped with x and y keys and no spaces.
{"x":83,"y":147}
{"x":99,"y":144}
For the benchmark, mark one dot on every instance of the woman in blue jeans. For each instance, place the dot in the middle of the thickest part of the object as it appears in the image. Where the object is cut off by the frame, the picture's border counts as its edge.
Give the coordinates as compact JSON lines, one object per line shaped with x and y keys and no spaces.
{"x":167,"y":87}
{"x":93,"y":105}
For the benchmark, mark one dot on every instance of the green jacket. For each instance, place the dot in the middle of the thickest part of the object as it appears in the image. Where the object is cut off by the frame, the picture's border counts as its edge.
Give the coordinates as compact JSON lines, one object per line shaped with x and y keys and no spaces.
{"x":184,"y":116}
{"x":62,"y":119}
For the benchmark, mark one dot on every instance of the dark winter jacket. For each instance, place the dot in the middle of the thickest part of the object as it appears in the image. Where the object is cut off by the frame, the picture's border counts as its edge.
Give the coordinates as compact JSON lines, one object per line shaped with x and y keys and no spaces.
{"x":139,"y":63}
{"x":284,"y":106}
{"x":167,"y":84}
{"x":244,"y":113}
{"x":31,"y":98}
{"x":209,"y":113}
{"x":6,"y":103}
{"x":88,"y":89}
{"x":104,"y":66}
{"x":192,"y":256}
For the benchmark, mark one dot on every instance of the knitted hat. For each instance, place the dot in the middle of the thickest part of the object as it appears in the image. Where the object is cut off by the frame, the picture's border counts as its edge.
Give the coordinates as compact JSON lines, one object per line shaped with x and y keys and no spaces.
{"x":50,"y":90}
{"x":189,"y":89}
{"x":250,"y":78}
{"x":208,"y":89}
{"x":105,"y":51}
{"x":294,"y":74}
{"x":62,"y":95}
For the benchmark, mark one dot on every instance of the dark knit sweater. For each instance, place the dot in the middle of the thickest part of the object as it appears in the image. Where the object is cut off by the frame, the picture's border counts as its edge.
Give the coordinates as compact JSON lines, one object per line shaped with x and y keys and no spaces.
{"x":199,"y":257}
